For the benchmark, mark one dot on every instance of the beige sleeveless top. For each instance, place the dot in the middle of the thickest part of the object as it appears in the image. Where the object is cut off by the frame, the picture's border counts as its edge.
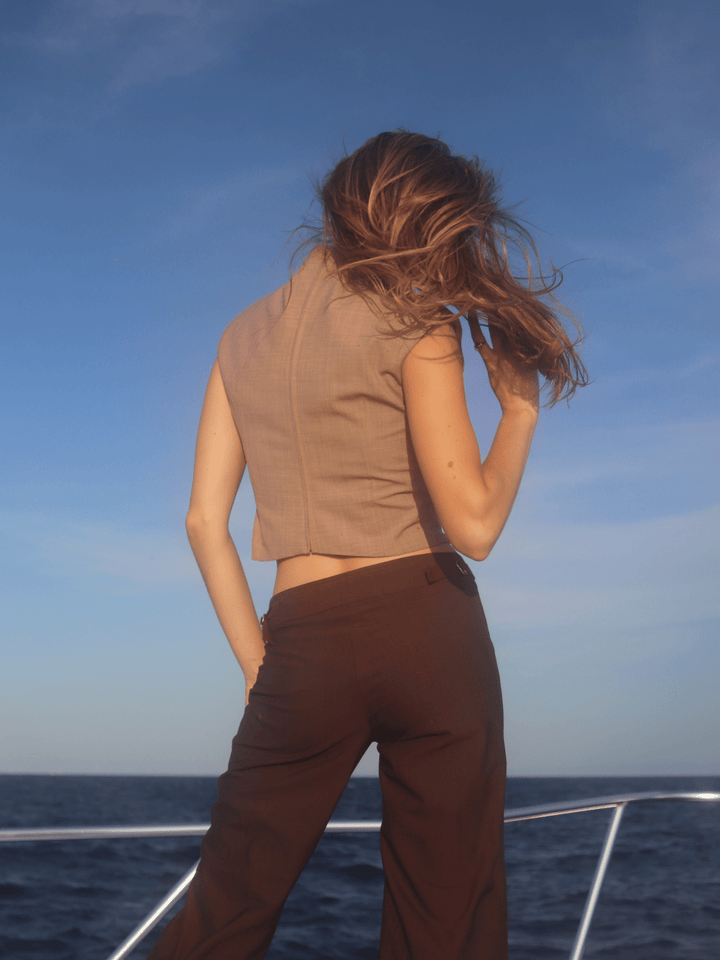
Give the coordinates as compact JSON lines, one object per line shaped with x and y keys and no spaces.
{"x":317,"y":399}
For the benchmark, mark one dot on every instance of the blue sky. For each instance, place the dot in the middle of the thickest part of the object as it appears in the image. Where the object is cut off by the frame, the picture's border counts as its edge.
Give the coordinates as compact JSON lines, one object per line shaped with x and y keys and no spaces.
{"x":156,"y":155}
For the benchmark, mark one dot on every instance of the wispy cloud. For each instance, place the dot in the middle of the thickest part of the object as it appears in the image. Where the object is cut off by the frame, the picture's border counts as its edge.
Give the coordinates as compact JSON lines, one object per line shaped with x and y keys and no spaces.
{"x":134,"y":42}
{"x":627,"y":583}
{"x":650,"y":451}
{"x":110,"y":553}
{"x":115,"y":555}
{"x":704,"y":360}
{"x":658,"y":85}
{"x":659,"y":80}
{"x":700,"y":250}
{"x":209,"y":206}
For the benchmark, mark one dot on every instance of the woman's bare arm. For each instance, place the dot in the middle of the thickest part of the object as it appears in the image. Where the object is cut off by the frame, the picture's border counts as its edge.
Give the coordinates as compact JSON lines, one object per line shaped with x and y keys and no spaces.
{"x":473,"y":499}
{"x":219,"y":467}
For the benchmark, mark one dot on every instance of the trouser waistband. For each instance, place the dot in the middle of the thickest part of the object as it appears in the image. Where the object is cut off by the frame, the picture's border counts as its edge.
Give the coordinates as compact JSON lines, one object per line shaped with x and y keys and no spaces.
{"x":378,"y":579}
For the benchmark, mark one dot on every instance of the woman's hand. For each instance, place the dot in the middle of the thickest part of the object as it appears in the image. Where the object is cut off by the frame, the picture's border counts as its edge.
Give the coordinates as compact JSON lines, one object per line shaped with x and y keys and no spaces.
{"x":514,"y":383}
{"x":250,"y":678}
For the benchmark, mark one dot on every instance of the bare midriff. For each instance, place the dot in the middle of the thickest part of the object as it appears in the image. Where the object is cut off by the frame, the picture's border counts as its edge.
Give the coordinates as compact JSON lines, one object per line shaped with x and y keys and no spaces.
{"x":294,"y":571}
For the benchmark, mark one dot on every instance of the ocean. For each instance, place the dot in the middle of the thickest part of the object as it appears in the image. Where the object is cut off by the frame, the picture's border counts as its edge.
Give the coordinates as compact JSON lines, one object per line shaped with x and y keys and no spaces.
{"x":77,"y":900}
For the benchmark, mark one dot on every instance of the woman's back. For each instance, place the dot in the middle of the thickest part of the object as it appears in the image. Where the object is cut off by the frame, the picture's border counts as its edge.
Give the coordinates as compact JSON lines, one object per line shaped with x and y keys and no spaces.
{"x":315,"y":383}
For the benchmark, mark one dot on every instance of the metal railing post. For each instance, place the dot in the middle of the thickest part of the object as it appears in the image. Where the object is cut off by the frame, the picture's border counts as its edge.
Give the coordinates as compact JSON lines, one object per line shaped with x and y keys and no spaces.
{"x":154,"y":917}
{"x":605,"y":854}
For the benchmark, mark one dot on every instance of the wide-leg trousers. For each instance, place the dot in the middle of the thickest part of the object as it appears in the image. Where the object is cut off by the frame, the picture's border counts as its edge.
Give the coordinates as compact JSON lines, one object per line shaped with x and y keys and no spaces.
{"x":397,"y":653}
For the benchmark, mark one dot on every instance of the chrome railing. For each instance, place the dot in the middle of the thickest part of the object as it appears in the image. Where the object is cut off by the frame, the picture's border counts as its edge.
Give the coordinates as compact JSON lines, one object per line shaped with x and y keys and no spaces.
{"x":615,"y":803}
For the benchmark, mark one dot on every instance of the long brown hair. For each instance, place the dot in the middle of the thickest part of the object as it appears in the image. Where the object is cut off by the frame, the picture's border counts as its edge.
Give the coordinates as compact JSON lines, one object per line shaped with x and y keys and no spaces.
{"x":413,"y":226}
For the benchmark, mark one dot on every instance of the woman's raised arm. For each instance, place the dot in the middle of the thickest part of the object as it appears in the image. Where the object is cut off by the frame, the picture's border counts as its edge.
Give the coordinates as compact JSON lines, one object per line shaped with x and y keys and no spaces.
{"x":472,"y":498}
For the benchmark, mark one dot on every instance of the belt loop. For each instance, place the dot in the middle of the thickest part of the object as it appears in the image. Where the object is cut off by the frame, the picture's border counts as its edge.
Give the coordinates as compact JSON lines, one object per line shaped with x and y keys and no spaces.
{"x":433,"y":574}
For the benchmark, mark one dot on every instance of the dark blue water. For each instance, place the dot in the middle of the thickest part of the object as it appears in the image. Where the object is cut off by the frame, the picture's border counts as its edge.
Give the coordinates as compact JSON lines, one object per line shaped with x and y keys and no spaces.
{"x":77,"y":900}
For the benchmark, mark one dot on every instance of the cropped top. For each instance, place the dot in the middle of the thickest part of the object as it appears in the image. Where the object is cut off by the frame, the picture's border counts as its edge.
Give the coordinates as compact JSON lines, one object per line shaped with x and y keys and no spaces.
{"x":317,"y":399}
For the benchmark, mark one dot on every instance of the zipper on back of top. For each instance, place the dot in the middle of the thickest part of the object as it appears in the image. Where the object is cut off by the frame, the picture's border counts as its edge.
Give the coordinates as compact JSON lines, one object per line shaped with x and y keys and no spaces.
{"x":293,"y":409}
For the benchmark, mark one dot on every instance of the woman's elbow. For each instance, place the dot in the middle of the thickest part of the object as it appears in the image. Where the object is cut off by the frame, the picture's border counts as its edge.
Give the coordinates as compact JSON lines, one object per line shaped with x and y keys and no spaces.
{"x":480,"y":555}
{"x":199,"y":526}
{"x":484,"y":543}
{"x":193,"y":527}
{"x":480,"y":545}
{"x":477,"y":548}
{"x":193,"y":521}
{"x":480,"y":552}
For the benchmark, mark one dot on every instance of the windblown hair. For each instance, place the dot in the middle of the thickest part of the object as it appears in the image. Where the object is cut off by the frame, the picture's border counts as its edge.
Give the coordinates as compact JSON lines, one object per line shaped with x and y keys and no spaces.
{"x":416,"y":228}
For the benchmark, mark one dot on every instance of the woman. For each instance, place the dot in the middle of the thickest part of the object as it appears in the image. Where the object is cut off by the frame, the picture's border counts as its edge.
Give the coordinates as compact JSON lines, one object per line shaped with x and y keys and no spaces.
{"x":343,"y":394}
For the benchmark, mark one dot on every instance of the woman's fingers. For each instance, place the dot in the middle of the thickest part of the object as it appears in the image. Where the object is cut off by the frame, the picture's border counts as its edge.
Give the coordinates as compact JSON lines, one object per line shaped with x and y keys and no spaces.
{"x":510,"y":378}
{"x":475,"y":330}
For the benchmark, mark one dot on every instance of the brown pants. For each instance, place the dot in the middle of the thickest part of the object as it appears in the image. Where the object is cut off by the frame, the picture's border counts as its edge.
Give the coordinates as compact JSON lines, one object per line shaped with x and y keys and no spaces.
{"x":398,"y":653}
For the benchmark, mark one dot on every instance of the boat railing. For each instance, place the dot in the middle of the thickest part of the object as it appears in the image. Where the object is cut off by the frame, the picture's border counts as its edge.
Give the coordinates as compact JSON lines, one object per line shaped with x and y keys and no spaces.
{"x":616,"y":803}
